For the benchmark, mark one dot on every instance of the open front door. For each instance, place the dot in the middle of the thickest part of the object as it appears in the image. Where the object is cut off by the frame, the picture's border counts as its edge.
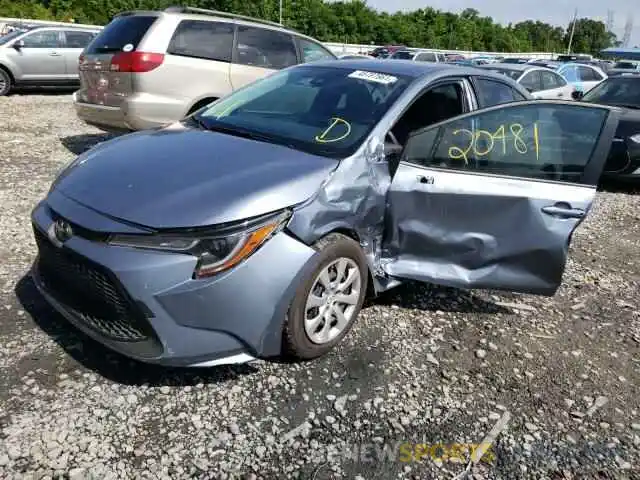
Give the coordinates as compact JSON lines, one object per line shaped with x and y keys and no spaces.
{"x":490,"y":199}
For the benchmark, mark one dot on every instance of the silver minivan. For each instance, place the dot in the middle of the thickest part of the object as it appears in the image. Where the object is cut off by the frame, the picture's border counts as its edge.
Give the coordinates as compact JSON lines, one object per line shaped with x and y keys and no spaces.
{"x":151,"y":68}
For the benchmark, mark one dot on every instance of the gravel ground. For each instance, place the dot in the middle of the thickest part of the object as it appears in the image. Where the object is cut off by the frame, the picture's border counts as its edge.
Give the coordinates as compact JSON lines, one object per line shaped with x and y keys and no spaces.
{"x":423,"y":366}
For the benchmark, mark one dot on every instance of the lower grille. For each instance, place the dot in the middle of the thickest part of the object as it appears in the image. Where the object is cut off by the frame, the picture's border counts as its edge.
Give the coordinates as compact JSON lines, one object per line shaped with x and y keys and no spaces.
{"x":90,"y":292}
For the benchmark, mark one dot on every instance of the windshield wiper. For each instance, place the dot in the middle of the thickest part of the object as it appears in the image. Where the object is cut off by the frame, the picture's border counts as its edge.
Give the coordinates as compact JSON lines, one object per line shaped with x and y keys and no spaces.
{"x":241,"y":132}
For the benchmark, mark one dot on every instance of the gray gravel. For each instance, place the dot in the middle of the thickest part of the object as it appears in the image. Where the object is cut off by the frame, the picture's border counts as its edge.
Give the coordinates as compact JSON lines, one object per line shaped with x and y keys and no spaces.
{"x":423,"y":365}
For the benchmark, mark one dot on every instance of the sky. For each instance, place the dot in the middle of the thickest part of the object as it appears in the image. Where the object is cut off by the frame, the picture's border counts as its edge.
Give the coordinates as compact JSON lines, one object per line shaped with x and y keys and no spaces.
{"x":556,"y":12}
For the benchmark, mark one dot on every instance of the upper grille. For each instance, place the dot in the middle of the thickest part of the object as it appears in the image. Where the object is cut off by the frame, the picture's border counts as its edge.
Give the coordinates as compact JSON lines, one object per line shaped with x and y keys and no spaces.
{"x":90,"y":292}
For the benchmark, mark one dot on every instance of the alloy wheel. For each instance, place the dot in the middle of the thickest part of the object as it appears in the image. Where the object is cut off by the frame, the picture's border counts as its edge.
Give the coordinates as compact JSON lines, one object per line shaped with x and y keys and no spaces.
{"x":332,"y":301}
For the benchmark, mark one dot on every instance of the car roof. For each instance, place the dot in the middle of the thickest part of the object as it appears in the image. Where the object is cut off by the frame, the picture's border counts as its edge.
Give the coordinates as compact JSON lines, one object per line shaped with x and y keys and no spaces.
{"x":407,"y":68}
{"x":519,"y":67}
{"x":216,"y":16}
{"x":63,"y":27}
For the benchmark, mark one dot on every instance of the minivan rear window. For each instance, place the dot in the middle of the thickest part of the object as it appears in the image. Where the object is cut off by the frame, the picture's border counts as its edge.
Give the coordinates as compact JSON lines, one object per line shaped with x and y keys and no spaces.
{"x":121,"y":32}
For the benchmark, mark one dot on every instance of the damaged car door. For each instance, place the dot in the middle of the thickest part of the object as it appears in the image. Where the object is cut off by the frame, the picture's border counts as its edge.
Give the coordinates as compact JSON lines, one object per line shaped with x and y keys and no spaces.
{"x":490,"y":199}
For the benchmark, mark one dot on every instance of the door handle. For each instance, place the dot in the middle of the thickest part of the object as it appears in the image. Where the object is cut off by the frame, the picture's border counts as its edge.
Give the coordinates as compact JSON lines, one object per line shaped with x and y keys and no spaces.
{"x":54,"y":54}
{"x":563,"y":211}
{"x":426,"y":180}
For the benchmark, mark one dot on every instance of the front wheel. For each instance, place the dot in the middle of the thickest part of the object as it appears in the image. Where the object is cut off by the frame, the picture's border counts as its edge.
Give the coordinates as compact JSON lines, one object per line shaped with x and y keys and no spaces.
{"x":5,"y":82}
{"x":328,"y":302}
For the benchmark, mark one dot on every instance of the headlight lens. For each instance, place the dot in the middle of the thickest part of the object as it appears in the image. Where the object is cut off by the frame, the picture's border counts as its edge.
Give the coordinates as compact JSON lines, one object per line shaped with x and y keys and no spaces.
{"x":216,"y":252}
{"x":635,"y":138}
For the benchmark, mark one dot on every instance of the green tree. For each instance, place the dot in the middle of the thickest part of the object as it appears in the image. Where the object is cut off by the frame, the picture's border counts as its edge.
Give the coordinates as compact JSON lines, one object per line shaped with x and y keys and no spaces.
{"x":353,"y":21}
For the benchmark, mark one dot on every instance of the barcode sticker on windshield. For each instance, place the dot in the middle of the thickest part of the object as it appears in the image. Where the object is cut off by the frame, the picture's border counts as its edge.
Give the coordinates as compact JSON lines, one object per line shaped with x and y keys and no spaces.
{"x":373,"y":77}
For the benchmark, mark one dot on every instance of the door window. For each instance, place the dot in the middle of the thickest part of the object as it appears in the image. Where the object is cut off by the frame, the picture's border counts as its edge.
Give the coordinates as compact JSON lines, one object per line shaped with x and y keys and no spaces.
{"x":492,"y":93}
{"x":437,"y":104}
{"x":264,"y":48}
{"x":312,"y":51}
{"x":532,"y":81}
{"x":550,"y":80}
{"x":426,"y":57}
{"x":588,"y":74}
{"x":78,"y":39}
{"x":543,"y":141}
{"x":202,"y":39}
{"x":46,"y":39}
{"x":570,"y":74}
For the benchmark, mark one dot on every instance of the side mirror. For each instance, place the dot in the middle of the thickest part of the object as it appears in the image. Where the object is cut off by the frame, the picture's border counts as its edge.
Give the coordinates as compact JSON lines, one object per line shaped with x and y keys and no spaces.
{"x":18,"y":44}
{"x":529,"y":89}
{"x":577,"y":95}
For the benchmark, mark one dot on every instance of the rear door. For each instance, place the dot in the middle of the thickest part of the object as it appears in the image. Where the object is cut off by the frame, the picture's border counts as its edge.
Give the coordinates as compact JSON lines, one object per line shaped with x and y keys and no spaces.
{"x":198,"y":62}
{"x":99,"y":82}
{"x":491,"y":199}
{"x":39,"y":59}
{"x":532,"y":81}
{"x":554,"y":87}
{"x":259,"y":52}
{"x":73,"y":43}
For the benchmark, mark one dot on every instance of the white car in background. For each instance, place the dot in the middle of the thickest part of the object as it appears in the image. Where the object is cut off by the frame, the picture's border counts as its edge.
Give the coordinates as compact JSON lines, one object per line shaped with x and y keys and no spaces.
{"x":418,"y":56}
{"x":541,"y":82}
{"x":583,"y":77}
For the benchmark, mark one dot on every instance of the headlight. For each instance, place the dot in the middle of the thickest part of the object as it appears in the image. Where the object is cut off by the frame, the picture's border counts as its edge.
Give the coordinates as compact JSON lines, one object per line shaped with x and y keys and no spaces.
{"x":635,"y":138}
{"x":217,"y":251}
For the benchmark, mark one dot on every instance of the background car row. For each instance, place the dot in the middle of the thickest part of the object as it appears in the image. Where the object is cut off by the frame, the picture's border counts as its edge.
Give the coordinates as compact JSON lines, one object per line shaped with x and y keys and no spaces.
{"x":149,"y":69}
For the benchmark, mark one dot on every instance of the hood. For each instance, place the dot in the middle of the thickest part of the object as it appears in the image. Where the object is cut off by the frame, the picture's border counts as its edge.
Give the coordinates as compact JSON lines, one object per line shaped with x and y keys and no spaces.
{"x":179,"y":177}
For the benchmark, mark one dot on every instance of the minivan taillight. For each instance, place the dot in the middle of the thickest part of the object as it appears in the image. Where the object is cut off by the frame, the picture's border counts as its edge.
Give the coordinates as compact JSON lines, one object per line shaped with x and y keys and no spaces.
{"x":136,"y":62}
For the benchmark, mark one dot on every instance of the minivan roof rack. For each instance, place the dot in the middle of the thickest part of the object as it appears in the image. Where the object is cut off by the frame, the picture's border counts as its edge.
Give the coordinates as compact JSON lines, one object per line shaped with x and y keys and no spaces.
{"x":219,"y":13}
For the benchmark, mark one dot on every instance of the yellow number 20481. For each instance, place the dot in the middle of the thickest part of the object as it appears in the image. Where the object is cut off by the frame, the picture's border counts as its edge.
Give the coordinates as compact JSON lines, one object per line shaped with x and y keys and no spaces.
{"x":497,"y":139}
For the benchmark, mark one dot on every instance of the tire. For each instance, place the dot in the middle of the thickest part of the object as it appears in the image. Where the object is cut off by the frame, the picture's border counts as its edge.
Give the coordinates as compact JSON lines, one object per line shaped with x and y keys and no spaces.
{"x":336,"y":251}
{"x":5,"y":82}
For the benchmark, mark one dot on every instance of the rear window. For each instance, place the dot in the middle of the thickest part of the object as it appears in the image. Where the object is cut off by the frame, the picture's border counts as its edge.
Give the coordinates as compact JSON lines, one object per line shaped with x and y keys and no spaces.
{"x":122,"y":32}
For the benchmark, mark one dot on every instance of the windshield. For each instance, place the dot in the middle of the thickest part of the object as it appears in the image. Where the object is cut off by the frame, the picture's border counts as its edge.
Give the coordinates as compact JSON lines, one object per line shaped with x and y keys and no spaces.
{"x":10,"y":36}
{"x":402,"y":56}
{"x":325,"y":111}
{"x":616,"y":91}
{"x":514,"y":74}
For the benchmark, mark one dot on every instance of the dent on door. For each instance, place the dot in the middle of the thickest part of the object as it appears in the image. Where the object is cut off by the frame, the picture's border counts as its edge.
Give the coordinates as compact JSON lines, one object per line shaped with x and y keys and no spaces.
{"x":492,"y":198}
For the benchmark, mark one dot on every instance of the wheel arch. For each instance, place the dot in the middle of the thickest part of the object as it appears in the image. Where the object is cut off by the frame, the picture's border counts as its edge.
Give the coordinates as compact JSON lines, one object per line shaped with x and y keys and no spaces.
{"x":201,"y":103}
{"x":9,"y":72}
{"x":348,"y":232}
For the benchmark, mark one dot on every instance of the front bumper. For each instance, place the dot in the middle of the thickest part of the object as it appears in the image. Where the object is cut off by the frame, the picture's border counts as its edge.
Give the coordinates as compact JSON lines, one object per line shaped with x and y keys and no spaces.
{"x":145,"y":304}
